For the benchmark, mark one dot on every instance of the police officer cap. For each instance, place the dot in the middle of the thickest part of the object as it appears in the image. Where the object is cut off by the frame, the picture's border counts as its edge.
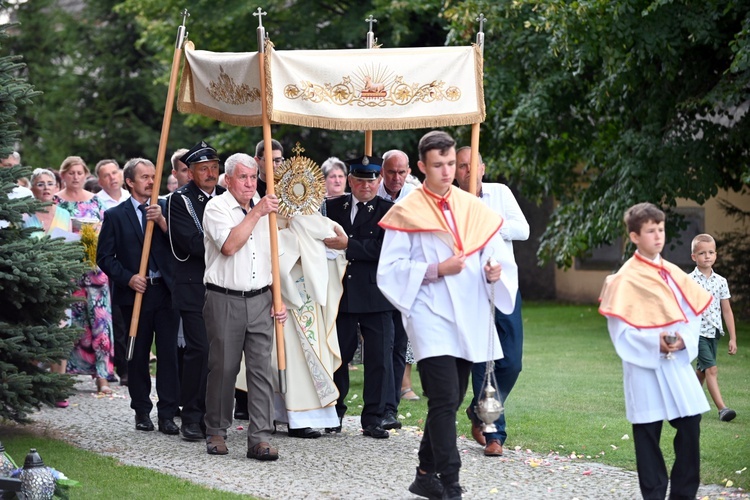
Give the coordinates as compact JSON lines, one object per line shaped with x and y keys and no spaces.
{"x":365,"y":167}
{"x":199,"y":153}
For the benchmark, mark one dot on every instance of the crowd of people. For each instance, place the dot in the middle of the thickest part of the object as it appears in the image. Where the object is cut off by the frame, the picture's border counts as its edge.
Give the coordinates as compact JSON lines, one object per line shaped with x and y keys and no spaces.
{"x":408,"y":273}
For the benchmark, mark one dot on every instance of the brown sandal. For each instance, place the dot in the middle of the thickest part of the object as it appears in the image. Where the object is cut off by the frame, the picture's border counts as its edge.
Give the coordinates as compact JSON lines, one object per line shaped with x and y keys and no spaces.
{"x":216,"y":445}
{"x":263,"y":451}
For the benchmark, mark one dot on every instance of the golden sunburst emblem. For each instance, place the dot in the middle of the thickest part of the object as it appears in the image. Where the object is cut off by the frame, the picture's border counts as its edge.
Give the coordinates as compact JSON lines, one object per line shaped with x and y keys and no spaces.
{"x":300,"y":185}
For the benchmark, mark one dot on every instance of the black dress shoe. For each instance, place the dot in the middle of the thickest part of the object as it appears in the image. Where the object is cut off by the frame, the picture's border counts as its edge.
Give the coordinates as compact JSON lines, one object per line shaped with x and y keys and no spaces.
{"x":123,"y":380}
{"x":333,"y":430}
{"x":375,"y":431}
{"x":304,"y":433}
{"x":192,"y":432}
{"x":241,"y":415}
{"x":143,"y":422}
{"x":390,"y":422}
{"x":167,"y":426}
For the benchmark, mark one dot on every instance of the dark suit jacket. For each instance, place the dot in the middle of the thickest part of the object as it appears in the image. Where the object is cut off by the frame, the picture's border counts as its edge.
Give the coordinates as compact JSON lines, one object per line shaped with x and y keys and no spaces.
{"x":187,"y":246}
{"x":118,"y":252}
{"x":361,"y":292}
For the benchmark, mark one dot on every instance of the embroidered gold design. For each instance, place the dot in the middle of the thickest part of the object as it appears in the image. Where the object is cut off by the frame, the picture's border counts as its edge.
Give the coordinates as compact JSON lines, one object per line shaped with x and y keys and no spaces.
{"x":226,"y":90}
{"x":372,"y":87}
{"x":300,"y":185}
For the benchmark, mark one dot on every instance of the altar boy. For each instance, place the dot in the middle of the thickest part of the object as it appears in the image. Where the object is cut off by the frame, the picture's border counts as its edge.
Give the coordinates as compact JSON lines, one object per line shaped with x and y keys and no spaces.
{"x":434,"y":267}
{"x":653,"y":315}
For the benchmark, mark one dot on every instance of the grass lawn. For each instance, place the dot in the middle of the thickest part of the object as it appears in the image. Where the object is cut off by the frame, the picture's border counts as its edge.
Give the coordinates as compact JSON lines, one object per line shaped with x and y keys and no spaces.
{"x":569,"y":397}
{"x":103,"y":477}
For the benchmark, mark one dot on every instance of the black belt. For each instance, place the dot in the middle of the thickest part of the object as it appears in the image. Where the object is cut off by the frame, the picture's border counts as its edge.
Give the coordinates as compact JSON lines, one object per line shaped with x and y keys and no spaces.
{"x":157,"y":280}
{"x":238,"y":293}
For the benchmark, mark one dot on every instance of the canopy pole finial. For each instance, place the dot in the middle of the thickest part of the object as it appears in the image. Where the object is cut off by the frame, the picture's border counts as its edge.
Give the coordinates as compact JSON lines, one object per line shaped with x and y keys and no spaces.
{"x":261,"y":31}
{"x":480,"y":34}
{"x":181,"y":33}
{"x":370,"y":34}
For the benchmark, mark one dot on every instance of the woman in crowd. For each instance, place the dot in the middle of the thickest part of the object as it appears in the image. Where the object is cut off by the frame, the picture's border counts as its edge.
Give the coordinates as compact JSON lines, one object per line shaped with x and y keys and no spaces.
{"x":334,"y":173}
{"x":93,"y":352}
{"x":44,"y":185}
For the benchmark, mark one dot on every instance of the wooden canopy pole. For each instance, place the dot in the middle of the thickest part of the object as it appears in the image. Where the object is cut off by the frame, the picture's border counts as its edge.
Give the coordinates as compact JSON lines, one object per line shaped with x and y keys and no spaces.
{"x":370,"y":44}
{"x":474,"y":165}
{"x":166,"y":122}
{"x":273,"y":230}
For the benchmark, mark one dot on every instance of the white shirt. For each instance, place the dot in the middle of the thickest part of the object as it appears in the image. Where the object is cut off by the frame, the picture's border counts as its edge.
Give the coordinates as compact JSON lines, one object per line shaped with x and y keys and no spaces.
{"x":110,"y":202}
{"x":717,"y":286}
{"x":500,"y":199}
{"x":657,"y":388}
{"x":408,"y":188}
{"x":453,"y":315}
{"x":250,"y":267}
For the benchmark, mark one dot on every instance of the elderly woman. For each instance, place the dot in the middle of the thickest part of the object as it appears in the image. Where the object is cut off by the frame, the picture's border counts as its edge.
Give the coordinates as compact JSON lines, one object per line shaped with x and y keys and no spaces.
{"x":334,"y":173}
{"x":49,"y":218}
{"x":92,"y":353}
{"x":44,"y":186}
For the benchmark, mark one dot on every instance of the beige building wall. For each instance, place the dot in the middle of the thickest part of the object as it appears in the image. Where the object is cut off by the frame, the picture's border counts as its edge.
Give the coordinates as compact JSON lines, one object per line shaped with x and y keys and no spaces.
{"x":574,"y":285}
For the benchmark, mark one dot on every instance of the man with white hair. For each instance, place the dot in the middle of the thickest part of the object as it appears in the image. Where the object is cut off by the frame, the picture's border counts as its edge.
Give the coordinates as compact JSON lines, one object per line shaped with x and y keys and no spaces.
{"x":239,"y":312}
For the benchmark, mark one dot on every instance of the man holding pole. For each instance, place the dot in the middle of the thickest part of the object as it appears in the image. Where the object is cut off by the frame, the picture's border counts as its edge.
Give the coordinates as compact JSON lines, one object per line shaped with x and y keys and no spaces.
{"x":118,"y":254}
{"x":239,"y":311}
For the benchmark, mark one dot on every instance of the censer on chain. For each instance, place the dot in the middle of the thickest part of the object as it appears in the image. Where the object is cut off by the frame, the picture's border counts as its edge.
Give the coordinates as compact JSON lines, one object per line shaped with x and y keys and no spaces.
{"x":489,"y":407}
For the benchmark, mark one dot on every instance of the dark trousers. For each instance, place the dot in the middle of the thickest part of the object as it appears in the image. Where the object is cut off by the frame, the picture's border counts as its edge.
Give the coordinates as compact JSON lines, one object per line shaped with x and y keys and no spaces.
{"x":652,"y":471}
{"x":444,"y":381}
{"x":510,"y":332}
{"x":120,"y":337}
{"x":194,"y":367}
{"x":400,"y":341}
{"x":157,"y":317}
{"x":377,"y":335}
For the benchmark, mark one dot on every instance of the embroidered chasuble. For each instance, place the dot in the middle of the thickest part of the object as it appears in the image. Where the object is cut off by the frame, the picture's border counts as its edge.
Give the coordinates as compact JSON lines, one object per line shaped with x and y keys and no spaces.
{"x":423,"y":211}
{"x":639,"y":294}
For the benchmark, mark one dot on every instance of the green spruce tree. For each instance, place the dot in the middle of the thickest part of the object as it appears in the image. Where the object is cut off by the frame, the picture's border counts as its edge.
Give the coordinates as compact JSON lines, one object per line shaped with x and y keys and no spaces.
{"x":37,"y":277}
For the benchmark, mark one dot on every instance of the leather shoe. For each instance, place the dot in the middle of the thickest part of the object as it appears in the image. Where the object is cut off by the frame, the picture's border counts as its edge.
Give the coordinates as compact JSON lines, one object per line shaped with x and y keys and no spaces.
{"x":333,"y":430}
{"x":304,"y":433}
{"x":167,"y":426}
{"x":493,"y":448}
{"x":476,"y":427}
{"x":143,"y":422}
{"x":192,"y":432}
{"x":124,"y":380}
{"x":241,"y":415}
{"x":375,"y":431}
{"x":390,"y":422}
{"x":263,"y":451}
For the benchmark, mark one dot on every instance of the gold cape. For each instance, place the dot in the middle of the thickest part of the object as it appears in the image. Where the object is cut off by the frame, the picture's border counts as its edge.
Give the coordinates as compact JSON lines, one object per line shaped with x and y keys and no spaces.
{"x":639,"y":295}
{"x":421,"y":211}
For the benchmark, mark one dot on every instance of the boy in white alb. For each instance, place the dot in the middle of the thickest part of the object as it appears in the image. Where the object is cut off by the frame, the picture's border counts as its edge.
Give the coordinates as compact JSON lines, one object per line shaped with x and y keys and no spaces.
{"x":434,"y":269}
{"x":653,"y":315}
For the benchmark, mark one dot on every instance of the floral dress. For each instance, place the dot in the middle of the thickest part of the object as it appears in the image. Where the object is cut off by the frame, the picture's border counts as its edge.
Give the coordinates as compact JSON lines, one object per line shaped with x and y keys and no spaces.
{"x":93,"y":352}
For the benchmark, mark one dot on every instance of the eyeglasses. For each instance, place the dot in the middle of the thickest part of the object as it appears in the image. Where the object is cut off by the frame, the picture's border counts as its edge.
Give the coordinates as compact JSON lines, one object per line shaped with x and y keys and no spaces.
{"x":42,"y":185}
{"x":277,"y":161}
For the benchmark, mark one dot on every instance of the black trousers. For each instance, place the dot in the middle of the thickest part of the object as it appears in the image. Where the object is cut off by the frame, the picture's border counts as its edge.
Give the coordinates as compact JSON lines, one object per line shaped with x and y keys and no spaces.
{"x":159,"y":319}
{"x":652,"y":471}
{"x":194,"y":367}
{"x":120,"y":337}
{"x":444,"y":381}
{"x":400,"y":342}
{"x":377,"y":335}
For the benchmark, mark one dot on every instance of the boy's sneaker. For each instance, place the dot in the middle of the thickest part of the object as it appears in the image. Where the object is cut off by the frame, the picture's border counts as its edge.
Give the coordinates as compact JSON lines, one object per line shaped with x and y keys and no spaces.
{"x":727,"y":414}
{"x":427,"y":485}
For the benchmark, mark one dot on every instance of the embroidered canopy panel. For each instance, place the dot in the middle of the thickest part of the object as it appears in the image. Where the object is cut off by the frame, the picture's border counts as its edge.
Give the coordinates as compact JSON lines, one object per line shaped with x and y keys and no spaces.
{"x":357,"y":89}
